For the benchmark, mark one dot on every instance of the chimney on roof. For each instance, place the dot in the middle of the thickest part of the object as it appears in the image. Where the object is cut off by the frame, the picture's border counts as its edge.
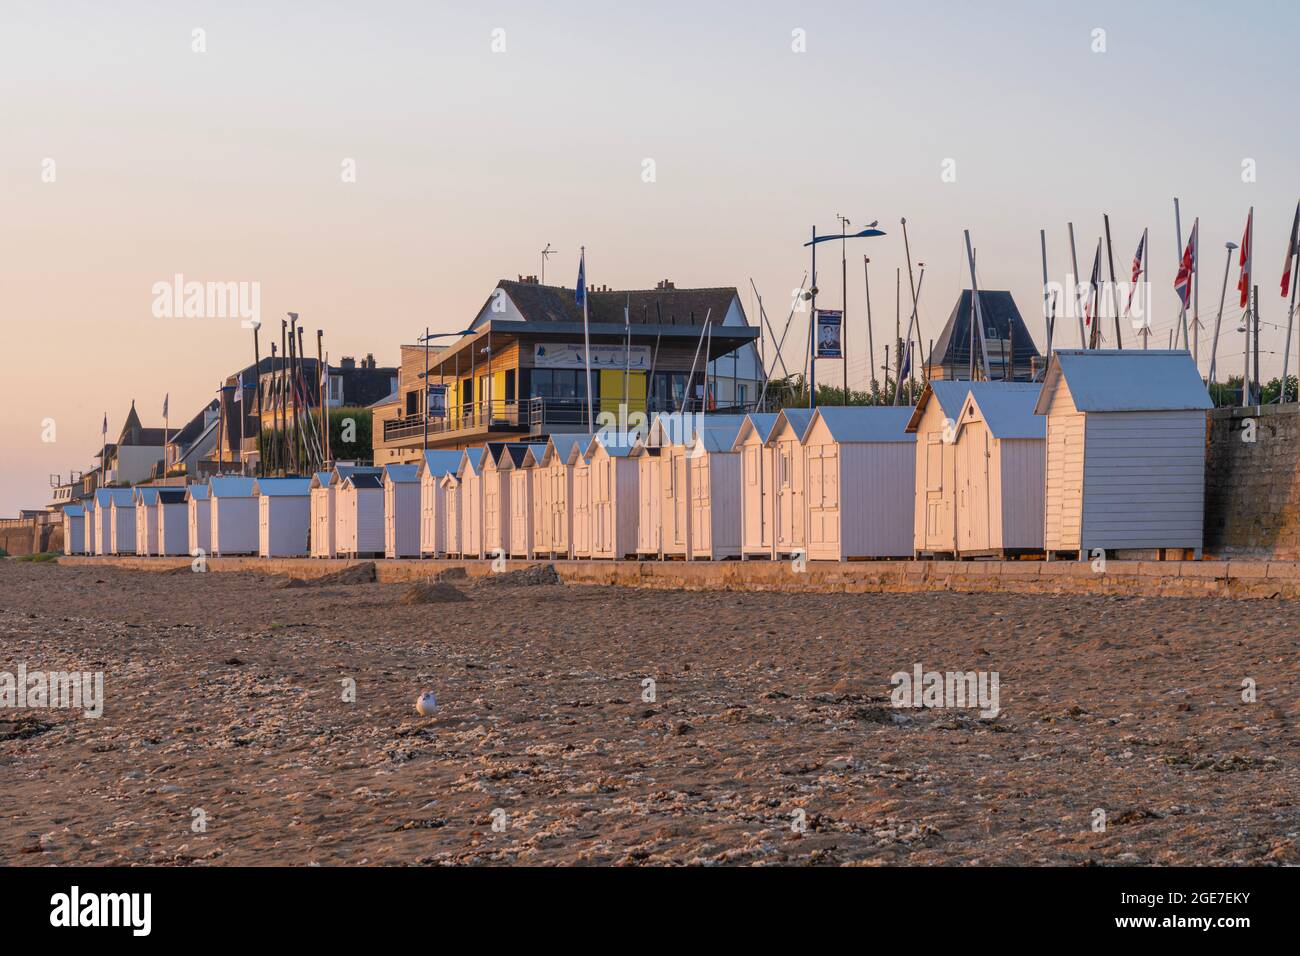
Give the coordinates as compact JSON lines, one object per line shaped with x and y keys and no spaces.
{"x":528,"y":280}
{"x":369,"y":361}
{"x":665,"y":285}
{"x":347,"y":361}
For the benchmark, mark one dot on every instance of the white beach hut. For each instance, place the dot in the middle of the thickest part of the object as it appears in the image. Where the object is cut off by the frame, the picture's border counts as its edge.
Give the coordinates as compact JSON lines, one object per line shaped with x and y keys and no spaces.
{"x":756,"y":457}
{"x":449,"y":515}
{"x":402,"y":511}
{"x":1125,"y":451}
{"x":518,"y":464}
{"x":540,"y":494}
{"x":74,"y":529}
{"x":861,"y":464}
{"x":1000,"y":459}
{"x":321,"y":496}
{"x":649,"y":495}
{"x":614,"y":502}
{"x":580,"y":502}
{"x":283,"y":516}
{"x":934,"y":424}
{"x":88,"y":525}
{"x":146,"y":522}
{"x":558,"y":461}
{"x":433,"y":467}
{"x":713,"y":477}
{"x":121,"y":521}
{"x":359,"y":513}
{"x":470,"y":495}
{"x":495,"y":483}
{"x":789,"y":514}
{"x":173,"y":522}
{"x":198,"y":518}
{"x":102,"y":526}
{"x":234,"y":515}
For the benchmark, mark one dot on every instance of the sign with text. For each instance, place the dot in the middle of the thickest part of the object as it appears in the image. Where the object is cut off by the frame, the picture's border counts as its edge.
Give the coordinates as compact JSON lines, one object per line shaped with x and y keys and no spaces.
{"x":566,"y":355}
{"x":830,"y":326}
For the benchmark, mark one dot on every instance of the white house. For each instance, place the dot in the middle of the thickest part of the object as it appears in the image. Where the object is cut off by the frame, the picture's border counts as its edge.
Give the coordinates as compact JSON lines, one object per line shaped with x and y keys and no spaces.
{"x":234,"y":515}
{"x":283,"y":516}
{"x":861,"y":464}
{"x":1125,"y":451}
{"x":401,"y":511}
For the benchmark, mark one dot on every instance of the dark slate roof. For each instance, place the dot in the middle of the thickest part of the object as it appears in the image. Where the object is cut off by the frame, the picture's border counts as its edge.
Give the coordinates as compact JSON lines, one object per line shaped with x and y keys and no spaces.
{"x":171,"y":496}
{"x":366,"y":480}
{"x":1001,"y":320}
{"x":548,"y":303}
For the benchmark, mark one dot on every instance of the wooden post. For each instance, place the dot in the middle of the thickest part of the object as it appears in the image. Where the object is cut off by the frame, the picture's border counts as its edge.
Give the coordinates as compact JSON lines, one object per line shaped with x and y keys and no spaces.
{"x":1078,"y":309}
{"x":871,"y":342}
{"x":257,"y":376}
{"x":1114,"y":291}
{"x":1218,"y":320}
{"x":979,"y":311}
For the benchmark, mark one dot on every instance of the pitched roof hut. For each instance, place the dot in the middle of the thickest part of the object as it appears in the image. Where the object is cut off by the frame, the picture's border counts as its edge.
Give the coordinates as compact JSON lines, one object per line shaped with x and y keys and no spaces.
{"x":558,"y":461}
{"x":1125,"y":451}
{"x":613,"y":484}
{"x":104,"y":519}
{"x":756,"y":457}
{"x":146,"y":521}
{"x":283,"y":516}
{"x":649,"y":493}
{"x":495,"y":483}
{"x":173,"y":522}
{"x":119,"y":514}
{"x":74,"y":529}
{"x":433,"y":466}
{"x":402,"y":511}
{"x":934,"y":423}
{"x":861,"y":464}
{"x":359,"y":513}
{"x":88,"y":526}
{"x":789,"y":514}
{"x":470,"y":494}
{"x":713,"y":483}
{"x":198,"y":519}
{"x":580,"y":502}
{"x":234,"y":515}
{"x":324,"y":511}
{"x":517,"y":465}
{"x":449,"y":514}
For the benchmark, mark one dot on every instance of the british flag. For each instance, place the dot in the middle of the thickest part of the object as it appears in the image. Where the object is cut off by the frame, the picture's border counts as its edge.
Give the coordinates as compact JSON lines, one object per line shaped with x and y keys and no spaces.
{"x":1137,"y":268}
{"x":1187,"y":268}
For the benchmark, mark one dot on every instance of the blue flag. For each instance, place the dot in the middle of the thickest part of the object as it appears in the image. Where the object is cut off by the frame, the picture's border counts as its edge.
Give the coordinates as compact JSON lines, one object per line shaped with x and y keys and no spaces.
{"x":580,"y":293}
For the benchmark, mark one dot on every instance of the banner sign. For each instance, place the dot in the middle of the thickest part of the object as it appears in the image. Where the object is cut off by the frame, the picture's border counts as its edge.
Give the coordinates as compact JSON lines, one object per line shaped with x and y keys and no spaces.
{"x":564,"y":355}
{"x":437,"y":401}
{"x":829,"y":326}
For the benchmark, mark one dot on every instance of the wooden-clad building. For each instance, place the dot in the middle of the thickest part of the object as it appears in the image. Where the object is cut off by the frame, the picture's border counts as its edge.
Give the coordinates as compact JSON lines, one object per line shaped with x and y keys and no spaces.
{"x":713,"y":492}
{"x":520,"y":373}
{"x":518,"y":465}
{"x":613,"y":497}
{"x":146,"y":521}
{"x":358,"y":513}
{"x":861,"y":464}
{"x":561,"y":456}
{"x":1125,"y":434}
{"x":470,"y":500}
{"x":234,"y":515}
{"x":198,"y":506}
{"x":789,"y":514}
{"x":999,"y":471}
{"x":649,"y":523}
{"x":756,"y":457}
{"x":450,"y":516}
{"x":934,"y":423}
{"x":115,"y":511}
{"x":74,"y":529}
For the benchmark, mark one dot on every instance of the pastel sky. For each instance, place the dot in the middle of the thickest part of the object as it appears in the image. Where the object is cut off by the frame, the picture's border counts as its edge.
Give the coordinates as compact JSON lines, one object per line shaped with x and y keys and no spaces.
{"x":226,"y":165}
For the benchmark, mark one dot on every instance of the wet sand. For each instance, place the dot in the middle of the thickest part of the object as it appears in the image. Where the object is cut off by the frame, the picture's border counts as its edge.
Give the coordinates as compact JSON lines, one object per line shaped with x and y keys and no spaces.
{"x":771,"y":738}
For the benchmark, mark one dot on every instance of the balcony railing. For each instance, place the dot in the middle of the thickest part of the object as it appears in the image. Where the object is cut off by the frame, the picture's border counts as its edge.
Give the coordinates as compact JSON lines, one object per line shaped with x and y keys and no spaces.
{"x":536,"y":415}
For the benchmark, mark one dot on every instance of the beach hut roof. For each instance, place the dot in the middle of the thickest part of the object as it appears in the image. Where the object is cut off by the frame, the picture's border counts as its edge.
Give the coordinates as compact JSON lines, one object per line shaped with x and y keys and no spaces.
{"x":722,"y":438}
{"x":561,"y":446}
{"x":399,"y":474}
{"x":758,"y":423}
{"x":343,"y":472}
{"x":230,"y":486}
{"x":283,"y":487}
{"x":196,"y":492}
{"x":438,"y":462}
{"x":146,"y":496}
{"x":320,"y":479}
{"x":171,"y":496}
{"x":1008,"y":408}
{"x":864,"y":423}
{"x":949,"y":393}
{"x":472,"y":459}
{"x":1133,"y":380}
{"x":797,"y":417}
{"x":679,"y":428}
{"x":512,"y":455}
{"x":105,"y":497}
{"x":74,"y":511}
{"x":536,"y":451}
{"x":615,"y":444}
{"x":364,"y":480}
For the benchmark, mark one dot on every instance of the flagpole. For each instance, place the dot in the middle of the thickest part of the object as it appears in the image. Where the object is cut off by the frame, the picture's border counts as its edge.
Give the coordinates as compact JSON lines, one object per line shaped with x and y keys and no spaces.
{"x":975,"y":294}
{"x":1074,"y":264}
{"x":1290,"y":317}
{"x":812,"y":329}
{"x":1146,"y":299}
{"x":1178,"y":231}
{"x":871,"y":344}
{"x":1114,"y":291}
{"x":1218,"y":320}
{"x":586,"y":346}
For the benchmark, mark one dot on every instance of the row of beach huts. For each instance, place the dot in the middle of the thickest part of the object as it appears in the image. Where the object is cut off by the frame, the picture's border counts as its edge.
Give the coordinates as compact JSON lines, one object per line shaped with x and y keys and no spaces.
{"x":1108,"y":452}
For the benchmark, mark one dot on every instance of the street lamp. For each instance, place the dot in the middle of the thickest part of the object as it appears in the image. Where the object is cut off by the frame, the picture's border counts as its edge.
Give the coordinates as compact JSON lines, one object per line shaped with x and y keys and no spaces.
{"x":869,"y":232}
{"x":425,"y":339}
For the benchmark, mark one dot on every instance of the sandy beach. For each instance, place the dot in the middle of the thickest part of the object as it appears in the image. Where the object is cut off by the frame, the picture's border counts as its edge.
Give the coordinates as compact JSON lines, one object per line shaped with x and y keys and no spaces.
{"x":226,"y":737}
